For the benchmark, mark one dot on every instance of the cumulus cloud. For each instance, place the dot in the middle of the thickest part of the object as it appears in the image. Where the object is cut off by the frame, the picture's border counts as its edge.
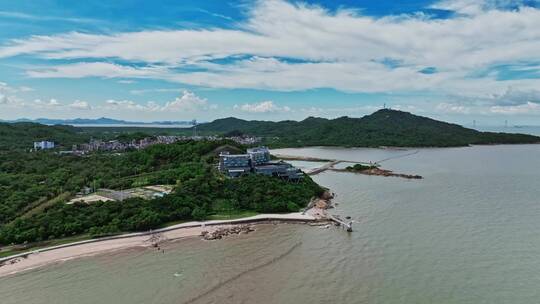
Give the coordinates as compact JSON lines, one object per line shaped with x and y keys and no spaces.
{"x":261,"y":107}
{"x":130,"y":105}
{"x":8,"y":94}
{"x":186,"y":102}
{"x":80,"y":105}
{"x":47,"y":103}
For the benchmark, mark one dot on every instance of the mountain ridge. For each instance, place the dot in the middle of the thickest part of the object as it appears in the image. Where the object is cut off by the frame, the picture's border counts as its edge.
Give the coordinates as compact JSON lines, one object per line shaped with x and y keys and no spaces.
{"x":384,"y":127}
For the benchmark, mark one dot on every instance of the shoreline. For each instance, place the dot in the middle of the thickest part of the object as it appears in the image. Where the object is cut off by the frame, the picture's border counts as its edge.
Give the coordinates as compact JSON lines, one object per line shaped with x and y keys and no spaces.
{"x":50,"y":255}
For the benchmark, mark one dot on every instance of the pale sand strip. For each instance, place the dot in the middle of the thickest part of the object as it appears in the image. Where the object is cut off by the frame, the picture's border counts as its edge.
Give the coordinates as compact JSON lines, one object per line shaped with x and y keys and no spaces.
{"x":45,"y":256}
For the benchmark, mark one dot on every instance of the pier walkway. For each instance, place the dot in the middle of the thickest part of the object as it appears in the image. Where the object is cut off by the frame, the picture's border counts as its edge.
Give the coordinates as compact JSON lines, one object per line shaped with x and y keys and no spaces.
{"x":329,"y":163}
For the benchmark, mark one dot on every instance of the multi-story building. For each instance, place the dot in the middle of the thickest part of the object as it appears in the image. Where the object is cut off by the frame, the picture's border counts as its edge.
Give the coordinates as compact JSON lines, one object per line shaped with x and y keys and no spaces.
{"x":257,"y":160}
{"x":42,"y":145}
{"x":259,"y":155}
{"x":234,"y":165}
{"x":279,"y":169}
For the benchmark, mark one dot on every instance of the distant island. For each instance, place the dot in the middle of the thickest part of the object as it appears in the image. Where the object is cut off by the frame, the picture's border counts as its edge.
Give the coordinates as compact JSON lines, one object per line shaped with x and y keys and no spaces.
{"x":385,"y":127}
{"x":98,"y":121}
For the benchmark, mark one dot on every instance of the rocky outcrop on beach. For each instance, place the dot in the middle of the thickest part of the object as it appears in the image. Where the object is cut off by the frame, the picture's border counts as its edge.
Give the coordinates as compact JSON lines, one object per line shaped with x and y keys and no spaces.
{"x":324,"y":201}
{"x":318,"y":205}
{"x":225,"y":231}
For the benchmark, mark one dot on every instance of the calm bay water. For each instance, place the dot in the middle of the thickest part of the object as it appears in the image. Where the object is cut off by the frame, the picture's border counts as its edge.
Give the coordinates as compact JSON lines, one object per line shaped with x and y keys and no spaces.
{"x":467,"y":233}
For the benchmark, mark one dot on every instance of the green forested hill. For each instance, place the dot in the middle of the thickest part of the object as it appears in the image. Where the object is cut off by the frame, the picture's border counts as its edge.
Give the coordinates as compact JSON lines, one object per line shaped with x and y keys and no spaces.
{"x":46,"y":179}
{"x":383,"y":128}
{"x":21,"y":135}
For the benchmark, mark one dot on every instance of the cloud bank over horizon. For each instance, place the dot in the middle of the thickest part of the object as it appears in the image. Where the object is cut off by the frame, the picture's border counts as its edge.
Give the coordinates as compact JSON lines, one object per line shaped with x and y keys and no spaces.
{"x":481,"y":59}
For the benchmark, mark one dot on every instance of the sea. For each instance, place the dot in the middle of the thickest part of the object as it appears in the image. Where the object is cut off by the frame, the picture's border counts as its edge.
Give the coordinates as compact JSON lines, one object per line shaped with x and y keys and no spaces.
{"x":468,"y":232}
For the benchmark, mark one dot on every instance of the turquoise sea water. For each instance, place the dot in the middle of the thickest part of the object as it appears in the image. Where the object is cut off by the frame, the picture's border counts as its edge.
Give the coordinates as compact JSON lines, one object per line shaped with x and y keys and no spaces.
{"x":469,"y":232}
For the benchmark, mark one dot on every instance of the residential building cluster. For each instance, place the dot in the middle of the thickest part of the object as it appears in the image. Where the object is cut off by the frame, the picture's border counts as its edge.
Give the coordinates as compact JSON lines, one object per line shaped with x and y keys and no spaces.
{"x":116,"y":145}
{"x":258,"y":161}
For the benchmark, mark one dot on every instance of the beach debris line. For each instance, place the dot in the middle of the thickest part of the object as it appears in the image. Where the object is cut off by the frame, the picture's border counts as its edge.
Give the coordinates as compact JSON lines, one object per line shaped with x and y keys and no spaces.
{"x":225,"y":231}
{"x":13,"y":261}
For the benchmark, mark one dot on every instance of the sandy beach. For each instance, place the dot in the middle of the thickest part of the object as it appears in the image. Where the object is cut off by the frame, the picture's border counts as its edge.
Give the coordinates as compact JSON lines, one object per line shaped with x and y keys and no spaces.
{"x":46,"y":256}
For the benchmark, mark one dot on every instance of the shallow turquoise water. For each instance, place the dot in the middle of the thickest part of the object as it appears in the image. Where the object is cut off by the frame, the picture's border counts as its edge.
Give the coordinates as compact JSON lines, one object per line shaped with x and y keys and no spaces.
{"x":469,"y":232}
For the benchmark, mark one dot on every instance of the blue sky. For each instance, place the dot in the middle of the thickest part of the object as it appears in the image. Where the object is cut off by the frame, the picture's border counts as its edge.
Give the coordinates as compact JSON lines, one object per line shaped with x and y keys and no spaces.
{"x":457,"y":60}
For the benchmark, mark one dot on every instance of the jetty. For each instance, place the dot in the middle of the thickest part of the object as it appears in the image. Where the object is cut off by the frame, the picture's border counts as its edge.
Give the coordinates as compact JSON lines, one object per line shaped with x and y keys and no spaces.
{"x":336,"y":219}
{"x":329,"y":163}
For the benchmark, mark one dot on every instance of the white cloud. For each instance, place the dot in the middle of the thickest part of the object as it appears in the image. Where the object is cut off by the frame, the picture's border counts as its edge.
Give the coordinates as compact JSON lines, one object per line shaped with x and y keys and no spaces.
{"x":126,"y":81}
{"x":4,"y":100}
{"x":163,"y":90}
{"x":25,"y":89}
{"x":18,"y":15}
{"x":513,"y":97}
{"x":130,"y":105}
{"x":50,"y":103}
{"x":341,"y":50}
{"x":188,"y":101}
{"x":92,"y":69}
{"x":8,"y":95}
{"x":475,"y":7}
{"x":293,"y":46}
{"x":450,"y":108}
{"x":80,"y":105}
{"x":261,"y":107}
{"x":527,"y":108}
{"x":466,"y":7}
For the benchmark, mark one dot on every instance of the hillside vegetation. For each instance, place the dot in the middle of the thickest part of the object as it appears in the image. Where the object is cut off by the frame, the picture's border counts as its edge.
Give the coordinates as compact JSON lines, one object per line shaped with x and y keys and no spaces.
{"x":383,"y":128}
{"x":30,"y":180}
{"x":21,"y":135}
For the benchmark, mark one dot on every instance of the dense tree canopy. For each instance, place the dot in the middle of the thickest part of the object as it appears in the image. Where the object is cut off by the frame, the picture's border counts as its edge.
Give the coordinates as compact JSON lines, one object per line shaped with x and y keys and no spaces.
{"x":29,"y":180}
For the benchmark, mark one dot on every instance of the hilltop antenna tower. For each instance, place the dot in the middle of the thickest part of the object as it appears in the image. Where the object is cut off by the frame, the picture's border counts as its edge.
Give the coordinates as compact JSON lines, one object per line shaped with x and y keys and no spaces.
{"x":506,"y":123}
{"x":474,"y":123}
{"x":194,"y":123}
